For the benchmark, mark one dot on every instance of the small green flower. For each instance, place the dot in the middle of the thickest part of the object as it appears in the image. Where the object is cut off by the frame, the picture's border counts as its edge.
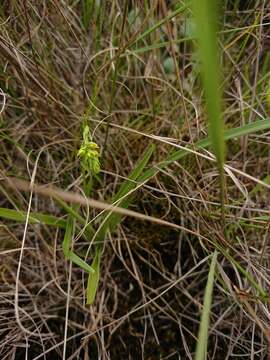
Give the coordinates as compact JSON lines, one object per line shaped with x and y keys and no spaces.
{"x":89,"y":153}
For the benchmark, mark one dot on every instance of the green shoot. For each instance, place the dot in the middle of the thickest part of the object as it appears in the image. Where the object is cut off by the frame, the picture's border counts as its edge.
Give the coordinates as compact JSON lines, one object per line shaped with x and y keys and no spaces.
{"x":204,"y":323}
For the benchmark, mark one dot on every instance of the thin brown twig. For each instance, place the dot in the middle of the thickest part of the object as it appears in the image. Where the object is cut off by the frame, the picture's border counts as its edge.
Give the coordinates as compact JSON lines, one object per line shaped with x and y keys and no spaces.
{"x":69,"y":196}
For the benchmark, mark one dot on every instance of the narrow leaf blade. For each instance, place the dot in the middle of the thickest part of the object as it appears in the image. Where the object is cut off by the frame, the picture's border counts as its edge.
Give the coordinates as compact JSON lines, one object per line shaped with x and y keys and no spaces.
{"x":204,"y":323}
{"x":93,"y":278}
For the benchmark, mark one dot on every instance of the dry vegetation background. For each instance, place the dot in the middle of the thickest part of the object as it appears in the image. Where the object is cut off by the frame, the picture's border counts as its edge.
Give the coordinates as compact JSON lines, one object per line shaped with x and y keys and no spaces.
{"x":133,"y":77}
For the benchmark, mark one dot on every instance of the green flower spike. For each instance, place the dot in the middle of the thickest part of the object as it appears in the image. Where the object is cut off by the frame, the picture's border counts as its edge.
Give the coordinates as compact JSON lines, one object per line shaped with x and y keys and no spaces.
{"x":89,"y":153}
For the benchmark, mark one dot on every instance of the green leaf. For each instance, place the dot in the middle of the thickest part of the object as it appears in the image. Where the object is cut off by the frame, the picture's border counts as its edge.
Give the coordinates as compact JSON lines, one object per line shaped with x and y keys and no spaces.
{"x":113,"y":219}
{"x":205,"y":15}
{"x":66,"y":246}
{"x":68,"y":235}
{"x":201,"y":348}
{"x":35,"y":218}
{"x":93,"y":278}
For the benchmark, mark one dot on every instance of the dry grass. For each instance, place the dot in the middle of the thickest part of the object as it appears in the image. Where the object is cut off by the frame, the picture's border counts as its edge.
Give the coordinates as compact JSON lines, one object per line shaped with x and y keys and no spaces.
{"x":55,"y":75}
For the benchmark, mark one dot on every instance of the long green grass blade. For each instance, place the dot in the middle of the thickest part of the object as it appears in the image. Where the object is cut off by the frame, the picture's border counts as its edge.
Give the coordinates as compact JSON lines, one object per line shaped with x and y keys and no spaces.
{"x":172,"y":15}
{"x":205,"y":15}
{"x":230,"y":134}
{"x":45,"y":219}
{"x":204,"y":323}
{"x":35,"y":218}
{"x":160,"y":45}
{"x":247,"y":129}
